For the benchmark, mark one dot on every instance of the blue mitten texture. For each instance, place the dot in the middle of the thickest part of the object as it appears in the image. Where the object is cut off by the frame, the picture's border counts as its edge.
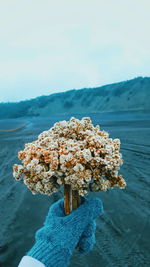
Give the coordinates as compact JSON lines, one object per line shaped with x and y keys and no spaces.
{"x":87,"y":239}
{"x":61,"y":234}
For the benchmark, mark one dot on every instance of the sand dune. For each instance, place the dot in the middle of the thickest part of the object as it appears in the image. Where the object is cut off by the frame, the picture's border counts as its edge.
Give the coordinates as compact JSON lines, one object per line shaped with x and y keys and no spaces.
{"x":122,"y":234}
{"x":122,"y":96}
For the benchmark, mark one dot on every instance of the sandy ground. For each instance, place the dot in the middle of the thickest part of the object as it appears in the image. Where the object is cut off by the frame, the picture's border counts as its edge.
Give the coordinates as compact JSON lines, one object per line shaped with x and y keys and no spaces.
{"x":122,"y":234}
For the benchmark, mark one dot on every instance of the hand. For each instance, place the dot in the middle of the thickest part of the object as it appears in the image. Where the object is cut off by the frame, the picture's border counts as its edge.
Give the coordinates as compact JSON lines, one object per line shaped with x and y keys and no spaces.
{"x":59,"y":236}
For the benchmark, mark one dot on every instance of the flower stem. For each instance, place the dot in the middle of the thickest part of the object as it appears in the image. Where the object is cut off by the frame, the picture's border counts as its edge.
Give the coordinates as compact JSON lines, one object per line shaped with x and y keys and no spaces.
{"x":71,"y":199}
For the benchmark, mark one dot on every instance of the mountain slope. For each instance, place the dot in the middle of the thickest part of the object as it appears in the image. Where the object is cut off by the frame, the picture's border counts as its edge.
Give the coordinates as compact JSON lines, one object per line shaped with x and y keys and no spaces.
{"x":128,"y":95}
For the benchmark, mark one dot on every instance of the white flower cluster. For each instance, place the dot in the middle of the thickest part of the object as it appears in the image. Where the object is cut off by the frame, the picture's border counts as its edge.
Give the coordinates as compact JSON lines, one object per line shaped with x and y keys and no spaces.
{"x":72,"y":152}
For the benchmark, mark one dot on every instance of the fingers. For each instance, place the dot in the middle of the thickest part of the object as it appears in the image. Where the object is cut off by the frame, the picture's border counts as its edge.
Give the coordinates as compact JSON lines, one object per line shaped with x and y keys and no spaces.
{"x":56,"y":210}
{"x":89,"y":210}
{"x":87,"y":239}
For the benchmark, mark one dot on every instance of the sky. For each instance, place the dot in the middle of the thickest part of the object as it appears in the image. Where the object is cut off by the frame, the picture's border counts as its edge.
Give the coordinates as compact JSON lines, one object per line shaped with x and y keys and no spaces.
{"x":53,"y":46}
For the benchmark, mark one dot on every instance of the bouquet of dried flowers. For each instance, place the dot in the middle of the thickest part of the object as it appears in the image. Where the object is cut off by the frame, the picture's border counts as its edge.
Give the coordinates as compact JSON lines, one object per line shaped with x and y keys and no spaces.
{"x":72,"y":153}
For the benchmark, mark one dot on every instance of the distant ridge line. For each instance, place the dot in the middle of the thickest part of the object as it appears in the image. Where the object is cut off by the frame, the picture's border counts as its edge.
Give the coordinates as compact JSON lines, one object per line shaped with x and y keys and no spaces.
{"x":127,"y":95}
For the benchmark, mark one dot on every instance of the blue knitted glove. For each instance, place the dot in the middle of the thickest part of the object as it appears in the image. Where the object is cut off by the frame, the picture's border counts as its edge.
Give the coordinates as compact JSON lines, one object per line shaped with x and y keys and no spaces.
{"x":57,"y":239}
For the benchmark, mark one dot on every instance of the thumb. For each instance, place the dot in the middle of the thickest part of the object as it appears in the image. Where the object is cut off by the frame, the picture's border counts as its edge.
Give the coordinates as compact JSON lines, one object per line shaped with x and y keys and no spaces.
{"x":87,"y":239}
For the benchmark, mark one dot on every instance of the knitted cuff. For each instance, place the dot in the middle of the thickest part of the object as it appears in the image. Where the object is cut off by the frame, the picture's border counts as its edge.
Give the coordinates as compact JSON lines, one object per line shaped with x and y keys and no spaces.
{"x":43,"y":252}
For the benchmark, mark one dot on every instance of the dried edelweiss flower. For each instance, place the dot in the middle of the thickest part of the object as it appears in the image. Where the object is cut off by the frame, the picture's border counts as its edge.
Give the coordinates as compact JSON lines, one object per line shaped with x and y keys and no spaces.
{"x":72,"y":152}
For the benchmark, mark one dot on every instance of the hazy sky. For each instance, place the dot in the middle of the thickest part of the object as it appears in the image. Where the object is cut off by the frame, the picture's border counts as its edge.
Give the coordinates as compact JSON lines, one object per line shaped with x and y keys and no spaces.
{"x":51,"y":46}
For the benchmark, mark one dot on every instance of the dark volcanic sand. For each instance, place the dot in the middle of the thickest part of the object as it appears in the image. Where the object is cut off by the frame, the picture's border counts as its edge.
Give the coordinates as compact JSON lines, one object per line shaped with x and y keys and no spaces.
{"x":122,"y":234}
